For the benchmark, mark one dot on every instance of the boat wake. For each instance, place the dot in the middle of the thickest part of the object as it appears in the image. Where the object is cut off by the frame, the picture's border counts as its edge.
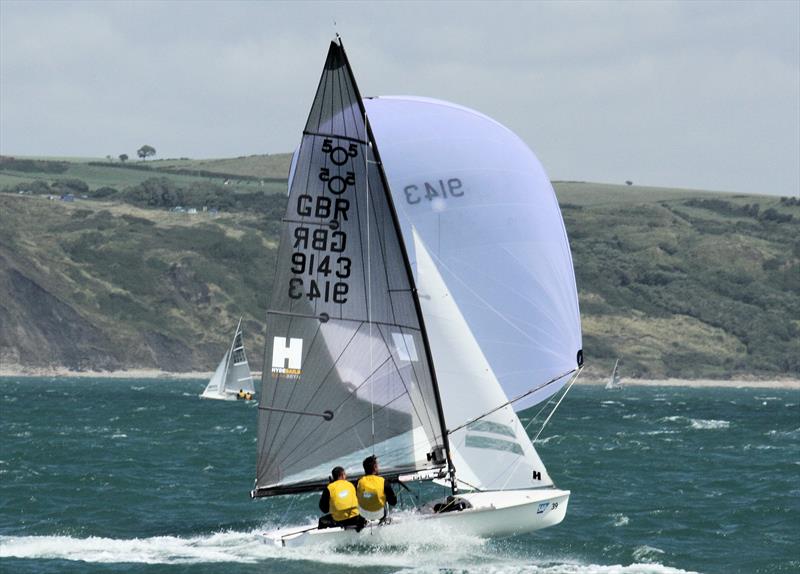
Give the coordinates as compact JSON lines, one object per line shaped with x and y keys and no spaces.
{"x":468,"y":555}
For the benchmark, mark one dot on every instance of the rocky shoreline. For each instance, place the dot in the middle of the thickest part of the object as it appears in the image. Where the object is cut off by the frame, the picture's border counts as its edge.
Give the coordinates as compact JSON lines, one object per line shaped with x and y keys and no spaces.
{"x":19,"y":371}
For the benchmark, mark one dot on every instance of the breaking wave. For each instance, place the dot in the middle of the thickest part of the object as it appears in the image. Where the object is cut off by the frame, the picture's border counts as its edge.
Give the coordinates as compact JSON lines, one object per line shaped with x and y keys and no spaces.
{"x":699,"y":424}
{"x":709,"y":424}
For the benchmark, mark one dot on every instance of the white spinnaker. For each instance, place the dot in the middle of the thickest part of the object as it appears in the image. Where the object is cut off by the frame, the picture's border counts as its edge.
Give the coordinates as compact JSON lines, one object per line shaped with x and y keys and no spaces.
{"x":494,"y":452}
{"x":482,"y":203}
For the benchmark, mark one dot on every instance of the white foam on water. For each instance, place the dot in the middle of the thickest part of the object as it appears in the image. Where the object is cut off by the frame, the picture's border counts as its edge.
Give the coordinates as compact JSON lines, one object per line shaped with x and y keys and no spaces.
{"x":672,"y":419}
{"x":784,"y":434}
{"x":620,"y":519}
{"x":647,"y":554}
{"x":468,"y":555}
{"x":698,"y":424}
{"x":242,"y":547}
{"x":709,"y":424}
{"x":560,"y":568}
{"x":548,"y":439}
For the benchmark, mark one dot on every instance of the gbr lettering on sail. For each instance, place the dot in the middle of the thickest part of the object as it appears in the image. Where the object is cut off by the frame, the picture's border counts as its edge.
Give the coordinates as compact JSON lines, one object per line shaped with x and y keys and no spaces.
{"x":320,"y":269}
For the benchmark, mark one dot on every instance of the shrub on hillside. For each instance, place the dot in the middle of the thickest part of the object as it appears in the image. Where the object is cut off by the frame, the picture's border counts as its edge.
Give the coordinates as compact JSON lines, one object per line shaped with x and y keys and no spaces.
{"x":70,"y":185}
{"x":32,"y":165}
{"x":724,"y":207}
{"x":103,"y":192}
{"x":776,"y":216}
{"x":155,"y":192}
{"x":37,"y":186}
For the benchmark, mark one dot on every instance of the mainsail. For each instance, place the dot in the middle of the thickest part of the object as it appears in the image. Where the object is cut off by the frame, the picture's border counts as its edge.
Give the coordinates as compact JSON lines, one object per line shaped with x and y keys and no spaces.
{"x":347,"y":369}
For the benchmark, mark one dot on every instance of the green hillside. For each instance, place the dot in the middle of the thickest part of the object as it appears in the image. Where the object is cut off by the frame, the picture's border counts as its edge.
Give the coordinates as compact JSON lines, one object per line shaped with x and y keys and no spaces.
{"x":675,"y":282}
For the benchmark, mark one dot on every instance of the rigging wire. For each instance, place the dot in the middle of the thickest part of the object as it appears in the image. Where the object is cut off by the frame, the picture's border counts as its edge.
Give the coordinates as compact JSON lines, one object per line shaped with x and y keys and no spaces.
{"x":547,"y":420}
{"x":369,"y":282}
{"x":282,"y":521}
{"x":513,"y":466}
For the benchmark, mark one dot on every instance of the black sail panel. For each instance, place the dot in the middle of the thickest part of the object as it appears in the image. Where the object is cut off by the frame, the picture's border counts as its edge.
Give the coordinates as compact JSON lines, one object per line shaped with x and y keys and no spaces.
{"x":346,"y":373}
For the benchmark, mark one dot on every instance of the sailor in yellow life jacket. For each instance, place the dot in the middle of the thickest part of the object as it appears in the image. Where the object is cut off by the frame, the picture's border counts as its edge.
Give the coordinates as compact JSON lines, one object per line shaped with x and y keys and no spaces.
{"x":374,"y":492}
{"x":340,"y":503}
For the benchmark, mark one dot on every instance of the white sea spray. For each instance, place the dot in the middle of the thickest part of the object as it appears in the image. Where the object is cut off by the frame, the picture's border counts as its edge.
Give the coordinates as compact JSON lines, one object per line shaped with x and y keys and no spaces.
{"x":709,"y":424}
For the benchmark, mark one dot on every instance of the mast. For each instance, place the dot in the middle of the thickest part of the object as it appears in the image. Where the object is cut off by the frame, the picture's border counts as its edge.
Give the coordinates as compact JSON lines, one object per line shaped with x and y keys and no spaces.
{"x":415,"y":295}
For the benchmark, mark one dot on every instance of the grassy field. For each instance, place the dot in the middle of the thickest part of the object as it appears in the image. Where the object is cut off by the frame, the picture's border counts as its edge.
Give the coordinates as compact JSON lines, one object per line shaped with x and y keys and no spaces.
{"x":676,"y":283}
{"x":261,"y":166}
{"x":103,"y":173}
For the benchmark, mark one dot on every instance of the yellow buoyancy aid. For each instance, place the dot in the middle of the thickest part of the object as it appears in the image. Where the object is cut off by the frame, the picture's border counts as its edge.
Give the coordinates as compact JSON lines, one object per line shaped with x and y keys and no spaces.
{"x":370,"y":493}
{"x":344,"y":503}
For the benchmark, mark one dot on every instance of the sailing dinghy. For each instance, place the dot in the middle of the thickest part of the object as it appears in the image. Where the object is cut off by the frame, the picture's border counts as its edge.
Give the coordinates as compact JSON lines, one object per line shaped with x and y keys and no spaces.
{"x":232,"y":380}
{"x":614,"y":383}
{"x":414,"y":333}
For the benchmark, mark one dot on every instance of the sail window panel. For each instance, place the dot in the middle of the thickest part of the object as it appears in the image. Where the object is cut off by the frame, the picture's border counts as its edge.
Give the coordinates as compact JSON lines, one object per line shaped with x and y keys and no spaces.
{"x":239,"y":356}
{"x":489,"y":443}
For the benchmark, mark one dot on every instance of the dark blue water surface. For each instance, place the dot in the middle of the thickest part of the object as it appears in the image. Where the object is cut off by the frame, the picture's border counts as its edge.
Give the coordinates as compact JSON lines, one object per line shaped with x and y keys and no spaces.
{"x":131,"y":475}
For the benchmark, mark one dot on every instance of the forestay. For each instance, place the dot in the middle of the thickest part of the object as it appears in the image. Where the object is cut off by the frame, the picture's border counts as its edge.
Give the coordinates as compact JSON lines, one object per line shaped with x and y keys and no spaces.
{"x":346,"y":370}
{"x":484,"y":207}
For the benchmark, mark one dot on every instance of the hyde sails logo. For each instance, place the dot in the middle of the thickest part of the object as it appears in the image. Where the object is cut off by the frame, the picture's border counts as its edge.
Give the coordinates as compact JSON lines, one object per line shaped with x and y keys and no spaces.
{"x":287,"y":357}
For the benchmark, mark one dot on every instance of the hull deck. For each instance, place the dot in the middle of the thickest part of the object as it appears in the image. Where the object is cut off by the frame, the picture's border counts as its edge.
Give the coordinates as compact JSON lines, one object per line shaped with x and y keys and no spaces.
{"x":493,"y":514}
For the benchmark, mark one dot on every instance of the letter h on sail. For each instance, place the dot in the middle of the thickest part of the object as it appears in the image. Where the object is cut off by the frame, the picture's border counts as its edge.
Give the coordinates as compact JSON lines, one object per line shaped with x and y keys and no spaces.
{"x":286,"y":359}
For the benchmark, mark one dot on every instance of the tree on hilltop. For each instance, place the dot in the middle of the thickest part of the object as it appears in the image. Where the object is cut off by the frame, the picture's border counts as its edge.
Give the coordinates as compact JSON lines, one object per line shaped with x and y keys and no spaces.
{"x":146,"y":151}
{"x":123,"y":157}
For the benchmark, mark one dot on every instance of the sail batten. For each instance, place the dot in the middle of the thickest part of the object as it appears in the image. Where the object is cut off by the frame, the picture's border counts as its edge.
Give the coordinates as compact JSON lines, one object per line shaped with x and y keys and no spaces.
{"x":343,"y":317}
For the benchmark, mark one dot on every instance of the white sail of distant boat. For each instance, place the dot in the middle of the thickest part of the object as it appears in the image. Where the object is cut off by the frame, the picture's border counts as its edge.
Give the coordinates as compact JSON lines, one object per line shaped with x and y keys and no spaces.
{"x":614,"y":381}
{"x":232,"y":379}
{"x":414,"y":333}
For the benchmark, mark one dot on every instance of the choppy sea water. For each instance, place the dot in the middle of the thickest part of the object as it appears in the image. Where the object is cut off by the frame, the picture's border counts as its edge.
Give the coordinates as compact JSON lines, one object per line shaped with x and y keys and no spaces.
{"x":142,"y":476}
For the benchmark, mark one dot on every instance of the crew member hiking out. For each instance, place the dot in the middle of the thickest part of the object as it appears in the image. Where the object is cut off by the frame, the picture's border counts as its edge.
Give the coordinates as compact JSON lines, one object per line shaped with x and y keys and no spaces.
{"x":340,"y":503}
{"x":374,"y":492}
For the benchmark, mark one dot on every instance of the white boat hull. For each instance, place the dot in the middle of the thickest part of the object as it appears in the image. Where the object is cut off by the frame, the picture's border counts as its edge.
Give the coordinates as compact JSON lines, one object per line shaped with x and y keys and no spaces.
{"x":493,"y":514}
{"x":219,"y":397}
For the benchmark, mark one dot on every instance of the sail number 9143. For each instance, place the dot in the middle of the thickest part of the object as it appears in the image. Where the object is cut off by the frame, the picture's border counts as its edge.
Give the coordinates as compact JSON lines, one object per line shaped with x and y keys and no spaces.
{"x":316,"y":265}
{"x":440,"y":189}
{"x":325,"y":290}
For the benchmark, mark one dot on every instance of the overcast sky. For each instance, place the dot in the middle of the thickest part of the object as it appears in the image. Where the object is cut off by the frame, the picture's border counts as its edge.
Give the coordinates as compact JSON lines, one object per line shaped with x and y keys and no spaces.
{"x":688,"y":94}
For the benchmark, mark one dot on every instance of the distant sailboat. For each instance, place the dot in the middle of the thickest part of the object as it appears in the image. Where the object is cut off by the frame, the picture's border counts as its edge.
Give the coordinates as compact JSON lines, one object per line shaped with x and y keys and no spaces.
{"x":232,"y":380}
{"x":371,"y":352}
{"x":614,"y":382}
